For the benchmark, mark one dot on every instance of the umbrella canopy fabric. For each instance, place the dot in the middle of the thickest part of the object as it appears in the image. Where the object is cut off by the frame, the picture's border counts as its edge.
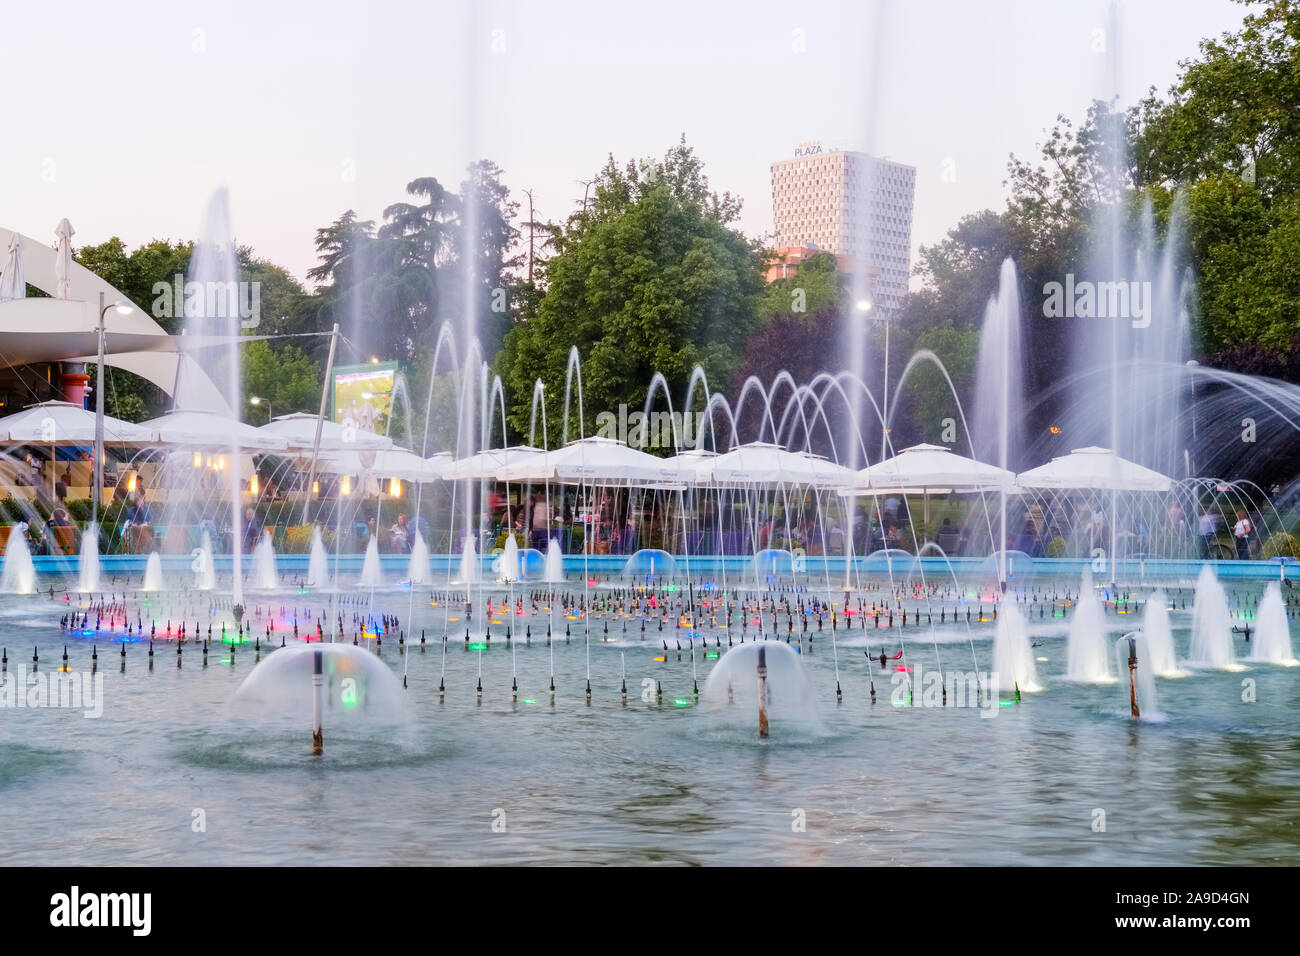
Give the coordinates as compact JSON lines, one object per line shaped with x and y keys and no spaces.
{"x":63,"y":262}
{"x":595,"y":460}
{"x":63,"y":423}
{"x":13,"y":281}
{"x":490,"y":464}
{"x":693,"y":467}
{"x":299,"y":431}
{"x":930,"y":468}
{"x":392,"y":463}
{"x":762,"y":463}
{"x":195,"y":429}
{"x":1095,"y":469}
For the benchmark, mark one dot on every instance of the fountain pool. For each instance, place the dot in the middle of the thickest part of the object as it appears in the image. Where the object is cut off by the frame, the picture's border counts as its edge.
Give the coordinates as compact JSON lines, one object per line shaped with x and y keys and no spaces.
{"x":660,"y":778}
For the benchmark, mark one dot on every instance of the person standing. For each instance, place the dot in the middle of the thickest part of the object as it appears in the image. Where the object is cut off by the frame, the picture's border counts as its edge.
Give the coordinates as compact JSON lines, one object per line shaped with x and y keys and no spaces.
{"x":1206,"y":526}
{"x":540,"y":516}
{"x":1241,"y":531}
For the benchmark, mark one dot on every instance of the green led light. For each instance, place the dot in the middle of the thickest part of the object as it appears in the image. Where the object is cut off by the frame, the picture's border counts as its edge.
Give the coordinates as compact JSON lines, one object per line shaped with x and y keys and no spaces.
{"x":711,"y":655}
{"x":479,"y":646}
{"x":681,"y":702}
{"x":1008,"y":703}
{"x":529,"y":700}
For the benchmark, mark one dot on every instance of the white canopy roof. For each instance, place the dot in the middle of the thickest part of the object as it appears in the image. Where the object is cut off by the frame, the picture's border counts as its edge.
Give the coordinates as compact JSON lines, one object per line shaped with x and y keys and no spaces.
{"x":191,"y":429}
{"x":929,"y":468}
{"x":66,"y":329}
{"x":1094,"y":468}
{"x":489,"y":464}
{"x":762,"y":463}
{"x":299,"y":431}
{"x":392,"y":463}
{"x":595,"y":459}
{"x":62,"y":423}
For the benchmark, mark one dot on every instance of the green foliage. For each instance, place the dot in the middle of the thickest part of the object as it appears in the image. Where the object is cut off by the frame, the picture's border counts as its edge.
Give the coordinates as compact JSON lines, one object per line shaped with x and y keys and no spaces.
{"x":650,"y":278}
{"x":928,"y":398}
{"x":815,"y":285}
{"x":138,"y":272}
{"x":1280,"y":545}
{"x":297,"y":538}
{"x":285,"y":376}
{"x":128,"y":406}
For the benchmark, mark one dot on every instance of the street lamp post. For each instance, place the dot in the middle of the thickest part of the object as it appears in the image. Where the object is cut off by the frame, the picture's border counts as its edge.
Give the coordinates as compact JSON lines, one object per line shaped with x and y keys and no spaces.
{"x":96,"y":500}
{"x":258,"y":400}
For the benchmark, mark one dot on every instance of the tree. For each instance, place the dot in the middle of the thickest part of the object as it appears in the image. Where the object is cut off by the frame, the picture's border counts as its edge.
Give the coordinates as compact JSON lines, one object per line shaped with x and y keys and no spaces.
{"x":816,"y":285}
{"x":650,"y":278}
{"x":286,"y":377}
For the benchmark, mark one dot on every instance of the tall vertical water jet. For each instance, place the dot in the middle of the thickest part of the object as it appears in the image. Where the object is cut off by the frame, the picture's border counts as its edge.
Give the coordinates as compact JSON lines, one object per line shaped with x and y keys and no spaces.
{"x":19,"y":575}
{"x":88,"y":572}
{"x":418,"y":570}
{"x":509,"y":561}
{"x":1085,"y":656}
{"x":205,"y":572}
{"x":213,"y":319}
{"x":554,"y":563}
{"x":264,"y":564}
{"x":999,"y":392}
{"x":1272,"y":640}
{"x":153,"y":579}
{"x":1159,"y":637}
{"x":1211,"y":625}
{"x":318,"y":565}
{"x":468,"y":572}
{"x":1013,"y":661}
{"x":371,"y":575}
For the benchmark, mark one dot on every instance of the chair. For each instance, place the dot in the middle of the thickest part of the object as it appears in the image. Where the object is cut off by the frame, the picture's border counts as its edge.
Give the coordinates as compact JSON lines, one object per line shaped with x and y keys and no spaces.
{"x":64,"y":539}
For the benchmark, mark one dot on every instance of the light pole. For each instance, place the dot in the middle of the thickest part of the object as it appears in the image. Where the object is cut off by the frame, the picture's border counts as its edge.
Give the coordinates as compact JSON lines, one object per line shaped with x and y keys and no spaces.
{"x":123,"y":308}
{"x":257,"y":400}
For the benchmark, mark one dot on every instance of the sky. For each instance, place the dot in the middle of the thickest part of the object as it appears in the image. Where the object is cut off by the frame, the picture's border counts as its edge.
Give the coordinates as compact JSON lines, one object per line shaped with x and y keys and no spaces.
{"x":124,"y":117}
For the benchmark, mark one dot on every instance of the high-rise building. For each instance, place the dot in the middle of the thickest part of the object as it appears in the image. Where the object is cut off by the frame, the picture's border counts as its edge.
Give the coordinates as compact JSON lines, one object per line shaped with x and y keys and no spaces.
{"x":851,"y":204}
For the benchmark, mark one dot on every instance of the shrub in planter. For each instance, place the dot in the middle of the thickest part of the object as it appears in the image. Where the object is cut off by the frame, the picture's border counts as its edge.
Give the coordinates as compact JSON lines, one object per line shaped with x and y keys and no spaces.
{"x":1280,"y":545}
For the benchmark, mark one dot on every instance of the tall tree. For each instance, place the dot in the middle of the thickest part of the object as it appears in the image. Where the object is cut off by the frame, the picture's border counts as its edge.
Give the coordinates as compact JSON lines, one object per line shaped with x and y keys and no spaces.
{"x":651,"y":278}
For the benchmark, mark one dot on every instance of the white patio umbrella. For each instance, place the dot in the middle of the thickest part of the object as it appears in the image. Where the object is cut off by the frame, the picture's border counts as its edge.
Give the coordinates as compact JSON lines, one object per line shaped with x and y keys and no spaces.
{"x":208,"y":430}
{"x":594,"y":460}
{"x":13,"y":281}
{"x":392,"y":463}
{"x":1094,"y":468}
{"x":490,"y":463}
{"x":693,"y":466}
{"x":63,"y":423}
{"x":762,"y":463}
{"x":929,"y":469}
{"x":299,"y":431}
{"x":63,"y":262}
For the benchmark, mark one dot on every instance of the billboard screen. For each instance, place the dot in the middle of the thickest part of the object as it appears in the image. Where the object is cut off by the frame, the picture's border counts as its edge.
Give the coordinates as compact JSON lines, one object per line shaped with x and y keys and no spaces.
{"x":364,"y":394}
